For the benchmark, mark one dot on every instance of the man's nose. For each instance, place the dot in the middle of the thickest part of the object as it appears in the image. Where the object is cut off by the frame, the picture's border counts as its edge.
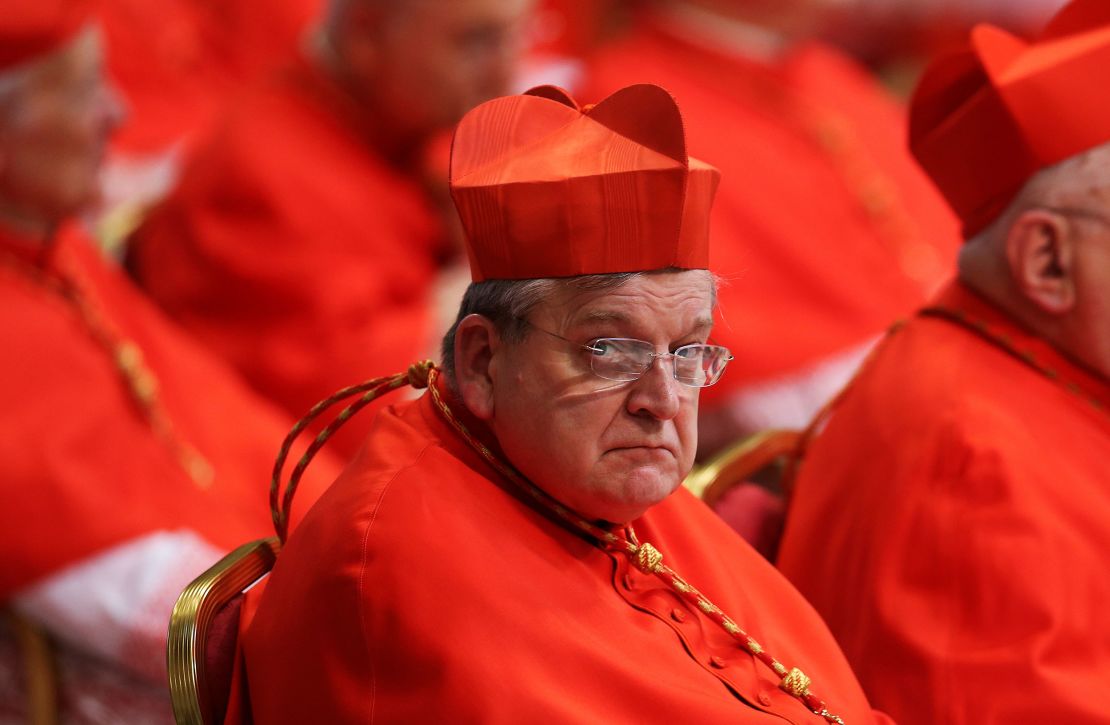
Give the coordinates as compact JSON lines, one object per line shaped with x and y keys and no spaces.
{"x":656,"y":393}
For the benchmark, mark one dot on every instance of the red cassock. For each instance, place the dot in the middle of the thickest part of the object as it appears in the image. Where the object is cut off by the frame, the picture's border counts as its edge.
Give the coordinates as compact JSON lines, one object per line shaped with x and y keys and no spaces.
{"x":952,"y":524}
{"x":83,"y":467}
{"x":823,"y":229}
{"x":292,"y":249}
{"x":422,"y":588}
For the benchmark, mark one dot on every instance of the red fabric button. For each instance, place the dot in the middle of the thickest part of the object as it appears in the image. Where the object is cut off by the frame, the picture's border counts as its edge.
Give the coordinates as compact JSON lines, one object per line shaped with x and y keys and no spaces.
{"x":717,"y":662}
{"x":764,"y":698}
{"x":678,"y":615}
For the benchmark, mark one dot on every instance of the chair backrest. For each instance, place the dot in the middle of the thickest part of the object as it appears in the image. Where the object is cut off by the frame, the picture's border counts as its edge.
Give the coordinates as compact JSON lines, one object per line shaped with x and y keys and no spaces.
{"x":204,"y":627}
{"x":747,"y":485}
{"x":743,"y":462}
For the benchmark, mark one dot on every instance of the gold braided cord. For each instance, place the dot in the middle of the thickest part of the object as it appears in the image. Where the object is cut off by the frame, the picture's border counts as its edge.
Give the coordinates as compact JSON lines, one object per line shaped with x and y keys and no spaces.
{"x":417,"y":376}
{"x":648,"y":558}
{"x":71,"y":285}
{"x":796,"y":683}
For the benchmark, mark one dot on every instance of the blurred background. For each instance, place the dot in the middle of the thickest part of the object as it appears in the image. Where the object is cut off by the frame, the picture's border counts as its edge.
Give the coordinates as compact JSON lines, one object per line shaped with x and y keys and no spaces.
{"x":177,"y":63}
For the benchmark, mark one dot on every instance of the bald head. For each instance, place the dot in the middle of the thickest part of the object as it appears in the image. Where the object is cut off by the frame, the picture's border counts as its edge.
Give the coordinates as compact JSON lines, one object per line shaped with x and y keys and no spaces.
{"x":1072,"y":181}
{"x":416,"y":66}
{"x":1046,"y":259}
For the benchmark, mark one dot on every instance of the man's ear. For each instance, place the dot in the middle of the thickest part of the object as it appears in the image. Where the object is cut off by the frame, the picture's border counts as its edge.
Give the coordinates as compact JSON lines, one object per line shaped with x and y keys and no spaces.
{"x":1040,"y":252}
{"x":476,"y":341}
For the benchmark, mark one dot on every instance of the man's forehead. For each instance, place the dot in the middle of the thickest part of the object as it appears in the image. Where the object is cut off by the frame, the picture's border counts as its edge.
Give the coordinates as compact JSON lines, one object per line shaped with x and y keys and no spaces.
{"x":684,"y":298}
{"x":603,"y":315}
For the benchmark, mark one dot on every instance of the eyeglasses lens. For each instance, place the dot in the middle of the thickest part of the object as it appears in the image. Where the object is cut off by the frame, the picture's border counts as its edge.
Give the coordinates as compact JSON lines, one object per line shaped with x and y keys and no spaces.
{"x":625,"y":360}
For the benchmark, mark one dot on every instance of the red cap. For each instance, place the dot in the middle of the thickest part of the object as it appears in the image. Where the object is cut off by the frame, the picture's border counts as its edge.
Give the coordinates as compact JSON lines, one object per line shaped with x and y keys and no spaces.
{"x":33,"y":28}
{"x":548,"y":189}
{"x":987,"y":118}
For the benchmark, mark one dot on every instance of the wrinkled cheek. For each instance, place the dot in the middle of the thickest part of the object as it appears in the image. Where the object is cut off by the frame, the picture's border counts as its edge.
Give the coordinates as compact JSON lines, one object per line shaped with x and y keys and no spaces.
{"x":688,"y":438}
{"x":687,"y":456}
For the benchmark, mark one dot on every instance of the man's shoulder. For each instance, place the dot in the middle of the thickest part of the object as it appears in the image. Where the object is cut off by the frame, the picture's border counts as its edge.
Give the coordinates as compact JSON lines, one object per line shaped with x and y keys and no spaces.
{"x":937,"y":402}
{"x":404,"y":484}
{"x":932,"y":373}
{"x":393,"y":450}
{"x":409,"y":519}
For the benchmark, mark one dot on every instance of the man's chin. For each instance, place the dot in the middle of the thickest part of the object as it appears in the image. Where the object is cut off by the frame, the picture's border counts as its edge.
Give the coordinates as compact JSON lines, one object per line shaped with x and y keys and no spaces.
{"x":644,"y":488}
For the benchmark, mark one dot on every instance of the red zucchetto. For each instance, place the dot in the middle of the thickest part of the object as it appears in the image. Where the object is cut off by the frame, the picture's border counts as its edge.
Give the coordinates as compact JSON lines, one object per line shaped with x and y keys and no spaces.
{"x":986,"y":119}
{"x":548,"y":189}
{"x":32,"y":28}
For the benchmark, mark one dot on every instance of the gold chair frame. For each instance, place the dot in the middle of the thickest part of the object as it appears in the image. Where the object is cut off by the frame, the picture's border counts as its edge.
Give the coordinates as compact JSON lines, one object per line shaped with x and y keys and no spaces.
{"x":192,"y":617}
{"x":740,"y":462}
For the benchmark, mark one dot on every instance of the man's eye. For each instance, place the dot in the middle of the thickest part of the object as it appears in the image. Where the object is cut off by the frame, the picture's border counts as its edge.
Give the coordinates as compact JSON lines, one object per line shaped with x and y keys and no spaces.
{"x":601,"y":347}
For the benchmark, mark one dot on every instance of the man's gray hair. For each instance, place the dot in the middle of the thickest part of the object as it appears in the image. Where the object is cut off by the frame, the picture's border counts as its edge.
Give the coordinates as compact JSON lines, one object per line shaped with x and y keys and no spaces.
{"x":507,"y":303}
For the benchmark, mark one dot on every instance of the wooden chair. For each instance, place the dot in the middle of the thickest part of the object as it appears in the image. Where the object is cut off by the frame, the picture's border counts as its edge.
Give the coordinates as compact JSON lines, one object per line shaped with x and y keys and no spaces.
{"x":746,"y":484}
{"x":204,"y":627}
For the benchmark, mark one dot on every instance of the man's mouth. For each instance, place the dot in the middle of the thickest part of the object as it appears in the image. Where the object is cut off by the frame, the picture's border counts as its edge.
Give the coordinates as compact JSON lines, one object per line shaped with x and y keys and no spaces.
{"x":646,"y":449}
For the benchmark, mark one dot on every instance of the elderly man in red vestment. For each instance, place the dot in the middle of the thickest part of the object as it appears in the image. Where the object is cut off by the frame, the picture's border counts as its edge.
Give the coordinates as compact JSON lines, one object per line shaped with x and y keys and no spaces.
{"x":952,"y":517}
{"x":515,"y":544}
{"x":300,"y":244}
{"x":824,"y":230}
{"x":128,"y":457}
